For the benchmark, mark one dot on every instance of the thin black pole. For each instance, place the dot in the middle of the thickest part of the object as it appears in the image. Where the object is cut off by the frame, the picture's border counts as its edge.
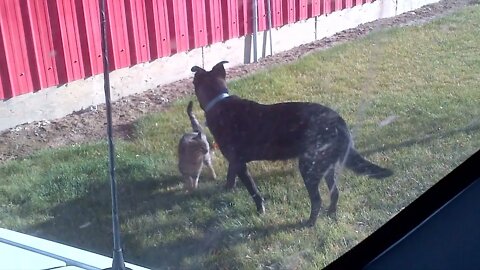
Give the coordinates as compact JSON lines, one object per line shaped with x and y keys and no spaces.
{"x":118,"y":261}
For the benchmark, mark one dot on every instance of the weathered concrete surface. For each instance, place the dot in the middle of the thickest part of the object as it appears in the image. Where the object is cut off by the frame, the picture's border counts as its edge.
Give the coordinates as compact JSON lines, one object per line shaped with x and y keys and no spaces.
{"x":56,"y":102}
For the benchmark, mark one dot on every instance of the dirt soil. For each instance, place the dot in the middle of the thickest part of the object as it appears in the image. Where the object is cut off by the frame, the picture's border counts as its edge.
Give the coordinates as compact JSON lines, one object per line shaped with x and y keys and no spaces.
{"x":90,"y":124}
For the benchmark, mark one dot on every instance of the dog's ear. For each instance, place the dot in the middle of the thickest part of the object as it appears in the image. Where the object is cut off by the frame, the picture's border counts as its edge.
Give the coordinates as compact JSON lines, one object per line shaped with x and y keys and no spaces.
{"x":197,"y":69}
{"x":219,"y":70}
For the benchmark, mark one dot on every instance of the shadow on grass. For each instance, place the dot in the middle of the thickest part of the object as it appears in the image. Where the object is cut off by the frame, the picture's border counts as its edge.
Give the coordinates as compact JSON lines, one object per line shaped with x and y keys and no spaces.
{"x":472,"y":127}
{"x":192,"y":252}
{"x":86,"y":223}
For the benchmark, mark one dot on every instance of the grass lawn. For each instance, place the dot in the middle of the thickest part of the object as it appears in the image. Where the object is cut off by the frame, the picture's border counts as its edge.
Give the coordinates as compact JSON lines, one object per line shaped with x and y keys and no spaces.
{"x":410,"y":95}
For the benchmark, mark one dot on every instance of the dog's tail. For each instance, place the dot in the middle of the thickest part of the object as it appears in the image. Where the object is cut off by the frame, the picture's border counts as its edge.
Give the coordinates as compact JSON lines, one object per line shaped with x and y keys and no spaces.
{"x":193,"y":120}
{"x":360,"y":165}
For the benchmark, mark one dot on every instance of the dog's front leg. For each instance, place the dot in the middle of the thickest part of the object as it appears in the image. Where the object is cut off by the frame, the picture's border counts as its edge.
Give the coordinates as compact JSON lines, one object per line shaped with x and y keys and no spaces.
{"x":247,"y":180}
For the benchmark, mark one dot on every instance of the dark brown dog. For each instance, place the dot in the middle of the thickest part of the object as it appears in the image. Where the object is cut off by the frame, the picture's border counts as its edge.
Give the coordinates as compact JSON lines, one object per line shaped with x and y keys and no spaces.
{"x":246,"y":131}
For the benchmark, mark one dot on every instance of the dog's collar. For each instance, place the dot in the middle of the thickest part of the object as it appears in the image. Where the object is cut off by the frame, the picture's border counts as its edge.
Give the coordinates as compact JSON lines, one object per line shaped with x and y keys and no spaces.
{"x":214,"y":101}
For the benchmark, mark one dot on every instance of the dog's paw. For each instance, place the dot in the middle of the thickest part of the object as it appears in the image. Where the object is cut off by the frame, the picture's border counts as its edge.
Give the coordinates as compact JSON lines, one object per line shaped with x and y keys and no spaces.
{"x":332,"y":214}
{"x":260,"y":203}
{"x":230,"y":185}
{"x":261,"y":209}
{"x":310,"y":223}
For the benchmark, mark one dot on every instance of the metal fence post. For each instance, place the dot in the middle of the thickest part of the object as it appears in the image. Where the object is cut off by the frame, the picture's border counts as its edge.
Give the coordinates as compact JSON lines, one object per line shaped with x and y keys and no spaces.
{"x":255,"y":29}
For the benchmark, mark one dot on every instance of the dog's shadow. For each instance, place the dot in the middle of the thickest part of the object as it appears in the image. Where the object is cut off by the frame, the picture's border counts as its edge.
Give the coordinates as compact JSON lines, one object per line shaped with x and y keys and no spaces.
{"x":86,"y":222}
{"x":212,"y":241}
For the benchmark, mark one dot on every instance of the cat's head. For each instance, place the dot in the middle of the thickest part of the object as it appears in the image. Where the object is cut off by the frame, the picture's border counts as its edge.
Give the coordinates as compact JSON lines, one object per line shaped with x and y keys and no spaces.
{"x":209,"y":84}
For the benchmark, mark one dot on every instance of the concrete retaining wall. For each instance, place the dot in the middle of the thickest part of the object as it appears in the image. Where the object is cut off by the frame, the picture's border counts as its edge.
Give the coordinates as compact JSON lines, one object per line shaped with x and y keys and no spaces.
{"x":56,"y":102}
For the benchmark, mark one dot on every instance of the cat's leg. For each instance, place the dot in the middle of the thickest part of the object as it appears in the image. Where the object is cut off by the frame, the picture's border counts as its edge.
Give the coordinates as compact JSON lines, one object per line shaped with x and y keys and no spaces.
{"x":195,"y":179}
{"x":208,"y":161}
{"x":188,"y":183}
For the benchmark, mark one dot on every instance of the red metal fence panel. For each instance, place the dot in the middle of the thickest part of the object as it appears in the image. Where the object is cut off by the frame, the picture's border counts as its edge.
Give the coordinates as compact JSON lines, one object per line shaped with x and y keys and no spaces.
{"x":277,"y":13}
{"x":41,"y":40}
{"x":245,"y":16}
{"x":5,"y":85}
{"x":231,"y":20}
{"x":262,"y":15}
{"x":70,"y":38}
{"x":197,"y":24}
{"x":289,"y":11}
{"x":338,"y":5}
{"x":326,"y":6}
{"x":302,"y":10}
{"x":214,"y":21}
{"x":159,"y":29}
{"x":17,"y":71}
{"x":91,"y":22}
{"x":314,"y":8}
{"x":178,"y":25}
{"x":138,"y":31}
{"x":47,"y":43}
{"x":119,"y":48}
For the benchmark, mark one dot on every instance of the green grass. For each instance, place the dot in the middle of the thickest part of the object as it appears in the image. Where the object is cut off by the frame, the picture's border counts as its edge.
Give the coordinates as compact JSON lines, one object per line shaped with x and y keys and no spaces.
{"x":425,"y":78}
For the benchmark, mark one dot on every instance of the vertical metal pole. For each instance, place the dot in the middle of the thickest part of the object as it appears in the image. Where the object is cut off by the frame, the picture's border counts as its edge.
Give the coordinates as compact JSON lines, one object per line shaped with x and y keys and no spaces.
{"x":255,"y":29}
{"x":118,"y":261}
{"x":269,"y":13}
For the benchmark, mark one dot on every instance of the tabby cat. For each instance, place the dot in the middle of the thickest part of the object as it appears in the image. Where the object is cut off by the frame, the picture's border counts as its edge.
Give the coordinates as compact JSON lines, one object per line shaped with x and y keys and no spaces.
{"x":193,"y":153}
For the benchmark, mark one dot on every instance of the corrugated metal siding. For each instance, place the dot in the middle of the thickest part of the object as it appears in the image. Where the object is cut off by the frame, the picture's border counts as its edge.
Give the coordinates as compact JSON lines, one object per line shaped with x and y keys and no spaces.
{"x":137,"y":26}
{"x":93,"y":45}
{"x":42,"y":44}
{"x":68,"y":38}
{"x":119,"y":48}
{"x":158,"y":20}
{"x":231,"y":20}
{"x":214,"y":19}
{"x":198,"y":24}
{"x":47,"y":43}
{"x":314,"y":9}
{"x":16,"y":70}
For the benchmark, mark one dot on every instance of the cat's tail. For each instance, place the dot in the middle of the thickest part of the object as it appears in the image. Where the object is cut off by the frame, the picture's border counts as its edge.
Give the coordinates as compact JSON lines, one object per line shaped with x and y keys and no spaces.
{"x":193,"y":120}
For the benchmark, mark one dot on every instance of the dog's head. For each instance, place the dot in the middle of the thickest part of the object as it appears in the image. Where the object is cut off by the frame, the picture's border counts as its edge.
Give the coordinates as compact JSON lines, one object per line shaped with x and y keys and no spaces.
{"x":209,"y":84}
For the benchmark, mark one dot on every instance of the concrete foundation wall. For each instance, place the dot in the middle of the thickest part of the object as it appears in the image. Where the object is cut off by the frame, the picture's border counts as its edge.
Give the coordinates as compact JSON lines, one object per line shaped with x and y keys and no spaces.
{"x":56,"y":102}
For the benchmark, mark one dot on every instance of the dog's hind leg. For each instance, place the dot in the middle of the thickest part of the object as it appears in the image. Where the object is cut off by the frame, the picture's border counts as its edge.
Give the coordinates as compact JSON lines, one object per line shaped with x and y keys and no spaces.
{"x":312,"y":171}
{"x":247,"y":180}
{"x":309,"y":170}
{"x":231,"y":175}
{"x":330,"y":178}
